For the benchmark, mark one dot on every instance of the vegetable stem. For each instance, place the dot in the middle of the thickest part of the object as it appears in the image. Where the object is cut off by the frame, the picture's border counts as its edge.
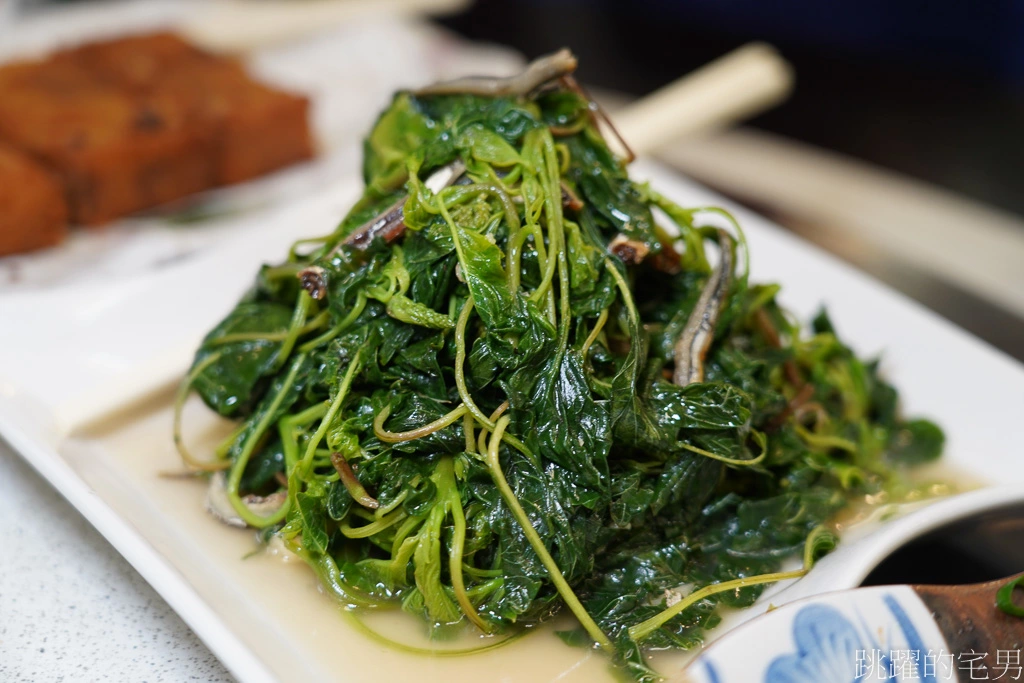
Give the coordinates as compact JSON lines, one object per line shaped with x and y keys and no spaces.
{"x":339,"y":328}
{"x":294,"y":328}
{"x":455,"y":550}
{"x":463,"y":389}
{"x":184,"y":389}
{"x":563,"y":587}
{"x":372,"y":528}
{"x":238,"y":467}
{"x":644,"y":629}
{"x":460,"y":362}
{"x":592,"y":337}
{"x":325,"y":423}
{"x":448,"y":418}
{"x":758,"y":436}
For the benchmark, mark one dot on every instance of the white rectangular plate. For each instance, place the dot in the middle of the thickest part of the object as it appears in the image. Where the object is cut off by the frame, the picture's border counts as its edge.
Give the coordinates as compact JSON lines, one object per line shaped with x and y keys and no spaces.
{"x":71,"y":356}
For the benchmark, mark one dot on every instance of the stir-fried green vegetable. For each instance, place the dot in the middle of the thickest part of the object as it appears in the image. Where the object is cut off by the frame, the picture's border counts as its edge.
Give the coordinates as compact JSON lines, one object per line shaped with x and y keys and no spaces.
{"x":513,"y":382}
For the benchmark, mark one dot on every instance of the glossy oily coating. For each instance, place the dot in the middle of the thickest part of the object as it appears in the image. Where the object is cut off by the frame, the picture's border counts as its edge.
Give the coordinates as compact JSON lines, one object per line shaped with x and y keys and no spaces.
{"x":464,"y":393}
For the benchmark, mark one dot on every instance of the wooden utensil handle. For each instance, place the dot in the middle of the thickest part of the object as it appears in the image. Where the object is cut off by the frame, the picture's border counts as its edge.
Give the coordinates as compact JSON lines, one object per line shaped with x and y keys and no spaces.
{"x":971,"y":621}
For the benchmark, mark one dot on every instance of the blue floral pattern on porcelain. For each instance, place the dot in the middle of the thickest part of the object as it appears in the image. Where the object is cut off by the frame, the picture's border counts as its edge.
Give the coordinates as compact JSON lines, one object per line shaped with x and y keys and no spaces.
{"x":826,"y":644}
{"x":851,"y":637}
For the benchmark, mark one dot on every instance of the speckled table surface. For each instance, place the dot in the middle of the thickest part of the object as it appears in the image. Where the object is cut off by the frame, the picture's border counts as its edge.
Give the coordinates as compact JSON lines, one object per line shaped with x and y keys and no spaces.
{"x":71,"y":608}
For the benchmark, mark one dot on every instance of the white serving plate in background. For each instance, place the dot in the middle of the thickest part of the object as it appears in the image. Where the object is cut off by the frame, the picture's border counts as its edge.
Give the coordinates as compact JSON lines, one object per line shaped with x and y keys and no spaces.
{"x":344,"y":71}
{"x":106,"y":355}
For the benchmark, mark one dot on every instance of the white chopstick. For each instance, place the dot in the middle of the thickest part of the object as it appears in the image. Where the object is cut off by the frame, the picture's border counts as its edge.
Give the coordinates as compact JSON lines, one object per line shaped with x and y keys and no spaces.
{"x":739,"y":85}
{"x":960,"y":241}
{"x":238,"y":25}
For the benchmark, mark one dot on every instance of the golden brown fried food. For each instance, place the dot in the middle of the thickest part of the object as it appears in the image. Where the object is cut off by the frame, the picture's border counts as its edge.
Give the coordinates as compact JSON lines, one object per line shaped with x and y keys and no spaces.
{"x":257,"y":128}
{"x":33,"y":213}
{"x":134,"y":122}
{"x":134,"y":62}
{"x":116,"y":152}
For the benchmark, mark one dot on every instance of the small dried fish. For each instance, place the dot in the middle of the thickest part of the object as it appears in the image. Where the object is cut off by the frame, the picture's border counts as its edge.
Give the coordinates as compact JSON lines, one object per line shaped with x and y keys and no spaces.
{"x":540,"y":71}
{"x":388,"y":226}
{"x":696,"y":337}
{"x":218,"y":504}
{"x":312,"y":280}
{"x":632,"y":252}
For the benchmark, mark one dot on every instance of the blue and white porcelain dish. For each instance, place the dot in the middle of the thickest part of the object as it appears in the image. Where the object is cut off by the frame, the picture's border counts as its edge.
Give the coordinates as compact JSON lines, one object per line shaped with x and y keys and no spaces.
{"x":884,"y":633}
{"x":816,"y":630}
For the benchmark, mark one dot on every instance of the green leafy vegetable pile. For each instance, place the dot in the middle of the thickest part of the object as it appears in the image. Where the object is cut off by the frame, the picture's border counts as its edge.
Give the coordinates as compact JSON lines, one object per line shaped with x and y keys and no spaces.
{"x":513,"y":381}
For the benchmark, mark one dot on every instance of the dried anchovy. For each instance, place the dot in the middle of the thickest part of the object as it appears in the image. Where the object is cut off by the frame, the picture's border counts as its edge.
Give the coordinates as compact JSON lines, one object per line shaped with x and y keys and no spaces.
{"x":539,"y":72}
{"x":312,"y":280}
{"x":693,"y":343}
{"x":389,"y":225}
{"x":218,"y":504}
{"x":632,"y":252}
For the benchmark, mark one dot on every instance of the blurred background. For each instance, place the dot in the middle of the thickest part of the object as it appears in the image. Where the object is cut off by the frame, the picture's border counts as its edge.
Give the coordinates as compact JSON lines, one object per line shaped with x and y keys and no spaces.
{"x":932,"y":91}
{"x":908,"y":115}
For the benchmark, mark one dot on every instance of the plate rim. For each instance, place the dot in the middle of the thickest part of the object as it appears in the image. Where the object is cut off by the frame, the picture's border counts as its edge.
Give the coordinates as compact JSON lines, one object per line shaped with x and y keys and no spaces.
{"x":130,"y":544}
{"x":28,"y":426}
